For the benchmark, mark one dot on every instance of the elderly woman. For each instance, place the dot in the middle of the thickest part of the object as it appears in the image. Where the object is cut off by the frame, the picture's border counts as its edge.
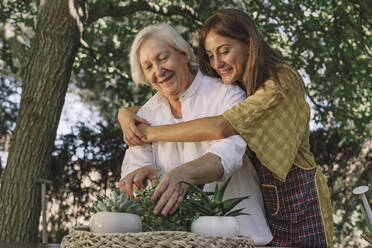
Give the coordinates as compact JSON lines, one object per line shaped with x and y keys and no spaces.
{"x":162,"y":58}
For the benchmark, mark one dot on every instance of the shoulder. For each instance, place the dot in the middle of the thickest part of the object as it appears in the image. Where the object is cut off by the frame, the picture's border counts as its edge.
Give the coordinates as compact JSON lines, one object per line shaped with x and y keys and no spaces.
{"x":216,"y":85}
{"x":152,"y":105}
{"x":289,"y":78}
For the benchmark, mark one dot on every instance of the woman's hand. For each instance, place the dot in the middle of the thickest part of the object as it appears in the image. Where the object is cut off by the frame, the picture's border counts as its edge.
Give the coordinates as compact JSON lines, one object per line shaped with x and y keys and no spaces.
{"x":170,"y":191}
{"x":137,"y":179}
{"x":131,"y":134}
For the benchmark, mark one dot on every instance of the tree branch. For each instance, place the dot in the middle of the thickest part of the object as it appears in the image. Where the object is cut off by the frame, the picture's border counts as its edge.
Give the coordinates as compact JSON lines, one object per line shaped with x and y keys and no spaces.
{"x":328,"y":109}
{"x":116,"y":11}
{"x":15,"y":41}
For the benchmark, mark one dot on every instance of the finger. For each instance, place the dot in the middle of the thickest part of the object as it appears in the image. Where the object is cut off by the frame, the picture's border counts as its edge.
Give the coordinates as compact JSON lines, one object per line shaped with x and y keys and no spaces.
{"x":183,"y":191}
{"x":136,"y":133}
{"x":166,"y":198}
{"x":179,"y":200}
{"x":138,"y":181}
{"x":170,"y":204}
{"x":130,"y":141}
{"x":121,"y":185}
{"x":159,"y":190}
{"x":141,"y":120}
{"x":134,"y":138}
{"x":129,"y":189}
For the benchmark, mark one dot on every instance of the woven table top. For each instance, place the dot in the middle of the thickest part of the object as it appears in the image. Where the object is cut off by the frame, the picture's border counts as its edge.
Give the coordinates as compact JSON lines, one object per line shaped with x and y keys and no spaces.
{"x":162,"y":239}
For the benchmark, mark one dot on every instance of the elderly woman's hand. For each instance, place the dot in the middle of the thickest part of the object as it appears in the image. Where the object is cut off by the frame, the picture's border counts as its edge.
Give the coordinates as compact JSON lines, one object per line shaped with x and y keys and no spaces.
{"x":170,"y":191}
{"x":137,"y":179}
{"x":131,"y":134}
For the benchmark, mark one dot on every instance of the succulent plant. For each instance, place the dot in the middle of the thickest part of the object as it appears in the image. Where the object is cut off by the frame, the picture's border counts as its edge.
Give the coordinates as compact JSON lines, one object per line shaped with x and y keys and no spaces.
{"x":179,"y":221}
{"x":215,"y":206}
{"x":115,"y":202}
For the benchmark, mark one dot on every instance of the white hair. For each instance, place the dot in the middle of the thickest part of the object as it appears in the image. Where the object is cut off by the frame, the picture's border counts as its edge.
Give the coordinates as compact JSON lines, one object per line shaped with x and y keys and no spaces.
{"x":171,"y":36}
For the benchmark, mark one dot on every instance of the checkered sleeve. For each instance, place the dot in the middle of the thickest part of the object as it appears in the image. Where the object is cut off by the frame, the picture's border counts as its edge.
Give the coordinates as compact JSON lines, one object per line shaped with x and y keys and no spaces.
{"x":272,"y":126}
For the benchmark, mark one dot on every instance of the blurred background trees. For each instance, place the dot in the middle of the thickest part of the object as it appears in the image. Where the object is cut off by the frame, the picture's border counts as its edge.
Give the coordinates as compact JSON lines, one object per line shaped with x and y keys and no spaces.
{"x":328,"y":42}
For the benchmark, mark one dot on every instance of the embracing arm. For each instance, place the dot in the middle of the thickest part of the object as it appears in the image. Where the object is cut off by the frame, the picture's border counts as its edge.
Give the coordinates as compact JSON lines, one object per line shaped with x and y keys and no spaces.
{"x":128,"y":119}
{"x":208,"y":128}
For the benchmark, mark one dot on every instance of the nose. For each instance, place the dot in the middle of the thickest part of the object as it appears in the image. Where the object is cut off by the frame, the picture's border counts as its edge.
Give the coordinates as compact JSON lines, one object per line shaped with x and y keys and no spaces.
{"x":159,"y":70}
{"x":217,"y":62}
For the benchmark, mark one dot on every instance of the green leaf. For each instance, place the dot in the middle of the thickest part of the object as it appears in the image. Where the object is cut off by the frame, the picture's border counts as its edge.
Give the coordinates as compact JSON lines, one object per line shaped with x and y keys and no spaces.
{"x":218,"y":195}
{"x":215,"y":190}
{"x":231,"y":203}
{"x":236,"y":212}
{"x":203,"y":195}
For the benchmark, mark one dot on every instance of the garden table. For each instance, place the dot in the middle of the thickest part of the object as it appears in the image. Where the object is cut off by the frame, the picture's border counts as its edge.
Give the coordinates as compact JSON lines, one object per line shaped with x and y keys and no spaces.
{"x":55,"y":246}
{"x":29,"y":245}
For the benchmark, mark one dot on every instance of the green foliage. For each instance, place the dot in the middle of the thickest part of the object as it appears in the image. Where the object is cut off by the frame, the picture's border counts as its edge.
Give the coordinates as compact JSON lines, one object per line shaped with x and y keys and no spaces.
{"x":115,"y":202}
{"x":367,"y":236}
{"x":345,"y":165}
{"x":85,"y":161}
{"x":215,"y":206}
{"x":179,"y":221}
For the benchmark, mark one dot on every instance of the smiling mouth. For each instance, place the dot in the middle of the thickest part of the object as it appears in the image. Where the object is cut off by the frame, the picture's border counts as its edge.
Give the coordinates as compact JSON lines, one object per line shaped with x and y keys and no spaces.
{"x":165,"y":80}
{"x":224,"y":72}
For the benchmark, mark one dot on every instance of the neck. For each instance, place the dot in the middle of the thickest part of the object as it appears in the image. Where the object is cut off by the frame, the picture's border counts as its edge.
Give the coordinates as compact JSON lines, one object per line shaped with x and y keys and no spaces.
{"x":176,"y":107}
{"x":175,"y":103}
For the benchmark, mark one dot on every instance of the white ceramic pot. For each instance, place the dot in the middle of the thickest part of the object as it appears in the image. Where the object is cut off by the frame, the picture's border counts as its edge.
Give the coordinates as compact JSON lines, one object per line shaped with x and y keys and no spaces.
{"x":223,"y":226}
{"x":109,"y":222}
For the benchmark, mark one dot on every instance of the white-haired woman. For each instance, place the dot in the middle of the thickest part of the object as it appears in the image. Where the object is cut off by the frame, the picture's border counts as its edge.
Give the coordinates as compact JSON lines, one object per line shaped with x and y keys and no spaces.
{"x":162,"y":58}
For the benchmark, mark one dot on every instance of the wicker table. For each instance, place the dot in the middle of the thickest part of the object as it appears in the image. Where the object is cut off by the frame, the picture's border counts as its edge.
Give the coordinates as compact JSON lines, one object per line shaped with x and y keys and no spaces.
{"x":162,"y":239}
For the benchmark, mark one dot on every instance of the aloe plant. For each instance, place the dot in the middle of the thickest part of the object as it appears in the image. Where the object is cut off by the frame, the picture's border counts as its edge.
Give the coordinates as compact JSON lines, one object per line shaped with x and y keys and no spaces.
{"x":215,"y":206}
{"x":115,"y":202}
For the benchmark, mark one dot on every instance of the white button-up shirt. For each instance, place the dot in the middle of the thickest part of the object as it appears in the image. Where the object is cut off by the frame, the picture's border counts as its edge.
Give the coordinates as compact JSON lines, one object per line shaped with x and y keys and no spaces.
{"x":205,"y":97}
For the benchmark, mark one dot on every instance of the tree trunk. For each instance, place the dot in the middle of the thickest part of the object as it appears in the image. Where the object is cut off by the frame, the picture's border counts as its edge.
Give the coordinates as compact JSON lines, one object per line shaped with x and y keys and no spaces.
{"x":45,"y":79}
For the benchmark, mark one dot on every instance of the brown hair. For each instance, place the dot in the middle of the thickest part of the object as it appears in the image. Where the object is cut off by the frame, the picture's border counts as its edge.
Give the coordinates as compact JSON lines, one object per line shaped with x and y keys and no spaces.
{"x":263,"y":60}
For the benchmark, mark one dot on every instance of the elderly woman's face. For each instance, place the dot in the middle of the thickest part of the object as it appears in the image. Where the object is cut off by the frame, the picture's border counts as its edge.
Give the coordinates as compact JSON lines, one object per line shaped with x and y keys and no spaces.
{"x":164,"y":67}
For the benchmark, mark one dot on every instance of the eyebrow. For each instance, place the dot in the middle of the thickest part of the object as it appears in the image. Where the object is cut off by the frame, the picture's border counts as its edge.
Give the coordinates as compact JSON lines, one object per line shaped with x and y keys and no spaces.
{"x":220,"y":46}
{"x":163,"y":51}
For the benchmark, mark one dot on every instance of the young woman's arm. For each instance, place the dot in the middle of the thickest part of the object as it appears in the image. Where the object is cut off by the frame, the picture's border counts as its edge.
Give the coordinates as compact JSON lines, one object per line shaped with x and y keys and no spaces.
{"x":128,"y":119}
{"x":208,"y":128}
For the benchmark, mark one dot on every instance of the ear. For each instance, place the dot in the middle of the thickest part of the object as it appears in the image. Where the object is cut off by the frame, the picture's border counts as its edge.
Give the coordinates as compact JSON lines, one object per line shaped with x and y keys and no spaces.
{"x":185,"y":55}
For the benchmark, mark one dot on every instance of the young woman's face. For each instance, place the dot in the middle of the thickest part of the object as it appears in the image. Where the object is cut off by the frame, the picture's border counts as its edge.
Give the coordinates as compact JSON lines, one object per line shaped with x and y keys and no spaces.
{"x":164,"y":67}
{"x":227,"y":56}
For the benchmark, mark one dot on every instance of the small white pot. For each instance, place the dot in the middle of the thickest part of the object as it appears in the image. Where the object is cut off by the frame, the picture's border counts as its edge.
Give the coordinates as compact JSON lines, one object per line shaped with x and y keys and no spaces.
{"x":223,"y":226}
{"x":109,"y":222}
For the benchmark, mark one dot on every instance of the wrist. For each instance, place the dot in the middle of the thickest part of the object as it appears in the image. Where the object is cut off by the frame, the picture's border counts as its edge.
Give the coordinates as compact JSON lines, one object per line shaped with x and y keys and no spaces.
{"x":185,"y":173}
{"x":150,"y":134}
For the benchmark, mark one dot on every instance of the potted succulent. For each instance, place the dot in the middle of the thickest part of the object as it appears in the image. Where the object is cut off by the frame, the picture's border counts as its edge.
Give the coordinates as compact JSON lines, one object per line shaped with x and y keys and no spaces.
{"x":179,"y":221}
{"x":115,"y":213}
{"x":216,"y":215}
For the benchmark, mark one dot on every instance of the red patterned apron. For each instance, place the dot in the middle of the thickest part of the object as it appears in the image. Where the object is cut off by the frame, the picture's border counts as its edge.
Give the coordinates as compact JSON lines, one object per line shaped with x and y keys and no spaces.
{"x":292,"y":207}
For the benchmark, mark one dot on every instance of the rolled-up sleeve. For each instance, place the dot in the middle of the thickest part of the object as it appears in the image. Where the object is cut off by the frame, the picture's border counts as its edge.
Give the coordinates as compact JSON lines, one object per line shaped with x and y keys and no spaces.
{"x":135,"y":158}
{"x":231,"y":151}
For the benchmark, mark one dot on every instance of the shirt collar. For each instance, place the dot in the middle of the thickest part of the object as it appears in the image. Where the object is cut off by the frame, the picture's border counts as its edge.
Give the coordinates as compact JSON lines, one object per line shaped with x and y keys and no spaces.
{"x":189,"y":92}
{"x":193,"y":88}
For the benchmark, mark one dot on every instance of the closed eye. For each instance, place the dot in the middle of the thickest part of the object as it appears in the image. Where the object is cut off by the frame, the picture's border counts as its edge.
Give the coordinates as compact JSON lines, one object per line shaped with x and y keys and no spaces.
{"x":226,"y":51}
{"x":147,"y":67}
